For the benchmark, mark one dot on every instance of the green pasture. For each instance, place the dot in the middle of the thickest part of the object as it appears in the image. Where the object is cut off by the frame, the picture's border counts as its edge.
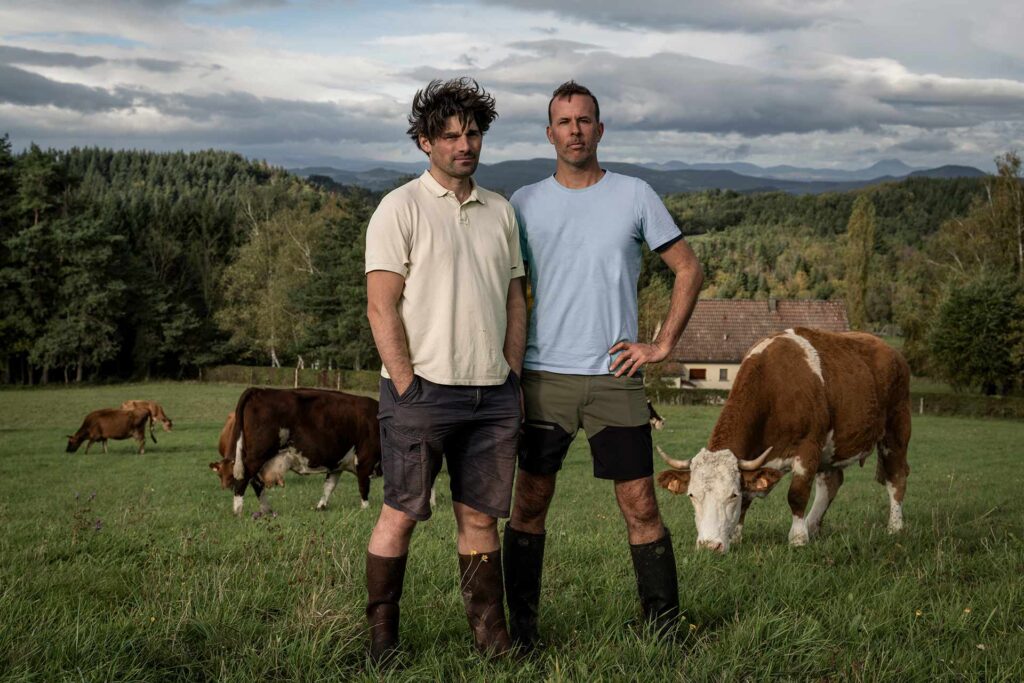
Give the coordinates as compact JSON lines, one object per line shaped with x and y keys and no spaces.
{"x":122,"y":567}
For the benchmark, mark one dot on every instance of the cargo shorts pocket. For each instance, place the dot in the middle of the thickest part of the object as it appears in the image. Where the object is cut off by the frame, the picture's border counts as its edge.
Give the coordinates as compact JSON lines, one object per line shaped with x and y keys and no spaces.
{"x":406,"y":462}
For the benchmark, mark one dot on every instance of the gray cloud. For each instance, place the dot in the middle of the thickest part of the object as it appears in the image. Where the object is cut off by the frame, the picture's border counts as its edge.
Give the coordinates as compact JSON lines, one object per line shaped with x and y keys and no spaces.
{"x":10,"y":54}
{"x":737,"y":15}
{"x":924,"y":144}
{"x":28,"y":89}
{"x":673,"y":92}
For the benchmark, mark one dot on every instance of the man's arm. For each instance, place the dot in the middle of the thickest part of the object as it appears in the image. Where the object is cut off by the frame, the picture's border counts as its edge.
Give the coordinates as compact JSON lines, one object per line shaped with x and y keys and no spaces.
{"x":383,"y":291}
{"x":515,"y":329}
{"x":679,"y":257}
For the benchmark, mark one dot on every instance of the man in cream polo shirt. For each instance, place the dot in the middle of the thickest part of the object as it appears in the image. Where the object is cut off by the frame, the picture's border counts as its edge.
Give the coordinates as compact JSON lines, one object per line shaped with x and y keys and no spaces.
{"x":448,"y":314}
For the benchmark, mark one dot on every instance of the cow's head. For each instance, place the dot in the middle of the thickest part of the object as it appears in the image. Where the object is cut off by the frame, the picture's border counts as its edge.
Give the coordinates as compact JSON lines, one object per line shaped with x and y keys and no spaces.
{"x":657,"y":421}
{"x":224,"y":469}
{"x":717,"y":483}
{"x":74,"y":441}
{"x":167,"y":424}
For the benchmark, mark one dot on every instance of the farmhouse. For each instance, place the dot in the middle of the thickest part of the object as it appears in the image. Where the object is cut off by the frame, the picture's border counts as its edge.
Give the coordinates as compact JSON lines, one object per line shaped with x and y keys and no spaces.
{"x":721,"y":332}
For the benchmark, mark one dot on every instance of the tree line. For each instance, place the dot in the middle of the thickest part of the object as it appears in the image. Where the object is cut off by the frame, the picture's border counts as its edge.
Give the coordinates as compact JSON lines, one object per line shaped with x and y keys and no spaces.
{"x":131,"y":264}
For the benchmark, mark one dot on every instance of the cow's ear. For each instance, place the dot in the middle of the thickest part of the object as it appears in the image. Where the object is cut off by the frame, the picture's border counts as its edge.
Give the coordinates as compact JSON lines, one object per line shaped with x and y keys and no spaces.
{"x":215,"y":466}
{"x":675,"y":481}
{"x":759,"y":482}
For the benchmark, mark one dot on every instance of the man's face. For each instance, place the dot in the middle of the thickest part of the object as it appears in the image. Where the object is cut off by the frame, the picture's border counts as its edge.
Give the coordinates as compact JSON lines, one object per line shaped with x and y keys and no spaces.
{"x":574,"y":130}
{"x":456,"y":152}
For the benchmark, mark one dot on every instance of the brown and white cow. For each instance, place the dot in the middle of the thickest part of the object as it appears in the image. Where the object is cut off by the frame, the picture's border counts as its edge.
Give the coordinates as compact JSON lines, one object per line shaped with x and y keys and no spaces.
{"x":814,"y":403}
{"x":156,"y":412}
{"x":111,"y":423}
{"x":306,"y":431}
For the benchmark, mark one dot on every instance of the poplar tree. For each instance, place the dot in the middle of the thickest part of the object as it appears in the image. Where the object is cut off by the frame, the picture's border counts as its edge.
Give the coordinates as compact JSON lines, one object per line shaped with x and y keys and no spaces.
{"x":860,"y":246}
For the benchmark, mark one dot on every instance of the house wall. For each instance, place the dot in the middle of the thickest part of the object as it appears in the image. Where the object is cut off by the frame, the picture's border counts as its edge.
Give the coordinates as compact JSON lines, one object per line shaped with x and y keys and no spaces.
{"x":712,"y":371}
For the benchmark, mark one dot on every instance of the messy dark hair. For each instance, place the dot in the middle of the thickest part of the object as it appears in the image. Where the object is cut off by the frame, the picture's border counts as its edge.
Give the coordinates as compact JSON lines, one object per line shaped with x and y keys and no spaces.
{"x":462,"y":97}
{"x":567,"y":90}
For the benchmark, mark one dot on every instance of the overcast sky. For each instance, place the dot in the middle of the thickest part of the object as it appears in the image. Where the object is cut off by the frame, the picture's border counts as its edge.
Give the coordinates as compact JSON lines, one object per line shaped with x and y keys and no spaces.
{"x":833,"y":83}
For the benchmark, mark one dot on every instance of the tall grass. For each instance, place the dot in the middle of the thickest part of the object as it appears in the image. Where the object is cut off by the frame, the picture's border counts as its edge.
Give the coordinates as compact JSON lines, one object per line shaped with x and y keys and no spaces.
{"x":127,"y":567}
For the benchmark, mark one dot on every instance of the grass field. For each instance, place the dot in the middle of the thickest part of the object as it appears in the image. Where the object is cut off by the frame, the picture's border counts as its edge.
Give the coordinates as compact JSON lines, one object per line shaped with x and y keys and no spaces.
{"x":127,"y":567}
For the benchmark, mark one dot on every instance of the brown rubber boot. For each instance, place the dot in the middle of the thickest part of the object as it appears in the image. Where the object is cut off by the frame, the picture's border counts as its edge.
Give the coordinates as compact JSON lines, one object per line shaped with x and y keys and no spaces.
{"x":482,"y":594}
{"x":384,"y":577}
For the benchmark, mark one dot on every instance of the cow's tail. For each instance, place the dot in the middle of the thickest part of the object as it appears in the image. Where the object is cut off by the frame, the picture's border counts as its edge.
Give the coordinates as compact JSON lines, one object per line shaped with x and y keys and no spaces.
{"x":236,"y":434}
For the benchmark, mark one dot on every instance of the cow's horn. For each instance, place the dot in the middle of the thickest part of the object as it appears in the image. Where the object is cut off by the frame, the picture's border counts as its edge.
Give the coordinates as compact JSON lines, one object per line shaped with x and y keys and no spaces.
{"x":676,"y":464}
{"x":756,"y":462}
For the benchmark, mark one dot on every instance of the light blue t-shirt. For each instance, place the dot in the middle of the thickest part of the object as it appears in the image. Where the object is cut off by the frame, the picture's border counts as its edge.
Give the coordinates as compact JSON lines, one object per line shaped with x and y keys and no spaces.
{"x":582,"y":249}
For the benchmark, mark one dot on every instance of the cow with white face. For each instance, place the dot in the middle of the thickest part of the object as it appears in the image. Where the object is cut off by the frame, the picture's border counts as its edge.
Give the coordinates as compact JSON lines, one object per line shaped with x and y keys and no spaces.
{"x":814,"y":402}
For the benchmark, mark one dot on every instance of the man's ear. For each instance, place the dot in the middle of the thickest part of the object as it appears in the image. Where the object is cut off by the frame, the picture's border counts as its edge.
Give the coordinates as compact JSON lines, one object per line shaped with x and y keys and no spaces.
{"x":674,"y":480}
{"x":759,"y":482}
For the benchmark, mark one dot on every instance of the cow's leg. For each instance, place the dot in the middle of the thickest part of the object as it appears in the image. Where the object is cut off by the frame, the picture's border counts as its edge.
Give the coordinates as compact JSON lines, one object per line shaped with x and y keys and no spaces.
{"x":240,"y":486}
{"x":264,"y":500}
{"x":104,"y":446}
{"x":826,"y":486}
{"x":892,"y":467}
{"x":141,"y":439}
{"x":151,"y":434}
{"x":329,"y":483}
{"x":737,"y":533}
{"x":805,"y":465}
{"x":88,"y":446}
{"x":364,"y":490}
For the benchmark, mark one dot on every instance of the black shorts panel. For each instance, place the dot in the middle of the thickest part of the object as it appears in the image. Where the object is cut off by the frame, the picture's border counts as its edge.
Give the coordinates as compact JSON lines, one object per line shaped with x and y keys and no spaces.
{"x":542,"y":447}
{"x":623,"y":453}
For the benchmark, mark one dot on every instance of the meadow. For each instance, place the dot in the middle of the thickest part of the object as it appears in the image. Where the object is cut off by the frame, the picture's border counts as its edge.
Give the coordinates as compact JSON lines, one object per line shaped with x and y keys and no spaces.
{"x":123,"y":567}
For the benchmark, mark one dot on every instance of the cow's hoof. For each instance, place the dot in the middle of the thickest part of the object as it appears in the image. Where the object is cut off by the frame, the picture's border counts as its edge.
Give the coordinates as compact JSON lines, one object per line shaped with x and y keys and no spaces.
{"x":798,"y":539}
{"x":895,"y":527}
{"x":364,"y":504}
{"x":321,"y":507}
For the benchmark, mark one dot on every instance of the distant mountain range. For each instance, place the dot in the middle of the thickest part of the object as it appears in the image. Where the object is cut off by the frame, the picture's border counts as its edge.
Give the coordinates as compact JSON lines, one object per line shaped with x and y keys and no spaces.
{"x":666,"y":178}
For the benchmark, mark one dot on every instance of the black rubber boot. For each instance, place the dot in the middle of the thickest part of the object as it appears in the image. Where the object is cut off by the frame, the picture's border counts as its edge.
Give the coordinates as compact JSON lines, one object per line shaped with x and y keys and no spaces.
{"x":655,"y":567}
{"x":482,"y":594}
{"x":523,"y":556}
{"x":384,"y":578}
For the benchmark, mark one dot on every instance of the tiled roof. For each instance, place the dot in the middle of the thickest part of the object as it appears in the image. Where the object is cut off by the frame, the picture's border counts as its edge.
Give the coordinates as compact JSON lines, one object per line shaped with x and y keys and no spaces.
{"x":723,"y":330}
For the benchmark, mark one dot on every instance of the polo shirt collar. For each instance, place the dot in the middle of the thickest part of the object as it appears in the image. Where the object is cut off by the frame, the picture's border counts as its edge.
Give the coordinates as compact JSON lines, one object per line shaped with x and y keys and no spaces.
{"x":439,"y":190}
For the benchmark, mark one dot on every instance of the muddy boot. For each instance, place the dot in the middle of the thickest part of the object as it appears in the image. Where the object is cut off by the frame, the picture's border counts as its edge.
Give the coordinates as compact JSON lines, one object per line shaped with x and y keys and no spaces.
{"x":384,"y":577}
{"x":482,"y":593}
{"x":523,"y":560}
{"x":655,"y":567}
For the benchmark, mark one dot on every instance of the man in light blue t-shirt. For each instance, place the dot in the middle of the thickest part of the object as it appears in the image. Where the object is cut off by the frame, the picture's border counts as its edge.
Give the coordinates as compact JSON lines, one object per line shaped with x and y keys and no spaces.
{"x":582,"y":231}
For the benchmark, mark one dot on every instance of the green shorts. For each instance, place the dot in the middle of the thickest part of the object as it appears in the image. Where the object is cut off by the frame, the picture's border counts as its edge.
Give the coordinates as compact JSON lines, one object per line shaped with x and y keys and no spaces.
{"x":612,"y":411}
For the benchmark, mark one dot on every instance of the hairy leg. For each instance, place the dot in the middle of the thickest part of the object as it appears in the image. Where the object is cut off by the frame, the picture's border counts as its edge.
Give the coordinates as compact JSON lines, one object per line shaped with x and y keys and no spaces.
{"x":639,"y":509}
{"x":532,"y":500}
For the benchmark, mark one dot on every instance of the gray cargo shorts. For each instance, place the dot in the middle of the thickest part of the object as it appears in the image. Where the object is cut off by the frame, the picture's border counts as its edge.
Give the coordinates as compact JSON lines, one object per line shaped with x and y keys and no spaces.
{"x":475,"y":428}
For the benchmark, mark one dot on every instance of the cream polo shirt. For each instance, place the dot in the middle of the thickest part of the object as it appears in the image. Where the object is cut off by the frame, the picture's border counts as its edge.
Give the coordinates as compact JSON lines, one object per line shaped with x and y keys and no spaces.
{"x":457,"y":261}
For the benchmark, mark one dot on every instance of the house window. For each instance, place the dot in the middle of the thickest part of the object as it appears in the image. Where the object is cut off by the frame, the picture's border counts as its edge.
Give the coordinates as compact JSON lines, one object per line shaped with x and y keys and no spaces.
{"x":698,"y":373}
{"x":723,"y":375}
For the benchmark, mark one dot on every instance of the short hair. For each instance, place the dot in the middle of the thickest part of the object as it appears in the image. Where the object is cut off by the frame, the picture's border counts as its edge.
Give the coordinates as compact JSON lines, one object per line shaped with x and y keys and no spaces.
{"x":567,"y":90}
{"x":462,"y":97}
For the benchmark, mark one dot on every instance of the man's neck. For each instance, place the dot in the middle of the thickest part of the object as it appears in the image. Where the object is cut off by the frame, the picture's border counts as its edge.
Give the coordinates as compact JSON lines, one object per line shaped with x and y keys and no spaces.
{"x":577,"y":178}
{"x":460,"y":187}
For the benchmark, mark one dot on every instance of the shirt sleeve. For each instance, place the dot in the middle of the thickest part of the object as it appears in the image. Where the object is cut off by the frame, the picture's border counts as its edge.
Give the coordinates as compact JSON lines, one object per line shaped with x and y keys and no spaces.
{"x":514,"y":201}
{"x":656,"y":225}
{"x":515,"y":247}
{"x":388,"y":240}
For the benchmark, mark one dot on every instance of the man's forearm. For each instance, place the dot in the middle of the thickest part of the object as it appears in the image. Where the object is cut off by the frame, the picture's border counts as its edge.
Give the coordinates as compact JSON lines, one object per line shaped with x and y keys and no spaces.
{"x":392,"y":344}
{"x":685,"y":289}
{"x":515,"y":325}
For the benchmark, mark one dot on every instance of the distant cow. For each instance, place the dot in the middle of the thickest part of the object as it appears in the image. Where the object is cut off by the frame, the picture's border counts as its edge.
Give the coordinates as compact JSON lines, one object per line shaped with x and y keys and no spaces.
{"x":111,"y":423}
{"x":817,"y":402}
{"x":303,"y":430}
{"x":656,"y":421}
{"x":156,"y":412}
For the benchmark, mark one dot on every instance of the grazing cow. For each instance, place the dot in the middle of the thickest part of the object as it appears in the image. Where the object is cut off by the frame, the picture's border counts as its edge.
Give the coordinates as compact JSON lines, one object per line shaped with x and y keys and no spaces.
{"x":156,"y":412}
{"x":657,"y":421}
{"x":111,"y":423}
{"x":303,"y":430}
{"x":816,"y":402}
{"x":224,"y":444}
